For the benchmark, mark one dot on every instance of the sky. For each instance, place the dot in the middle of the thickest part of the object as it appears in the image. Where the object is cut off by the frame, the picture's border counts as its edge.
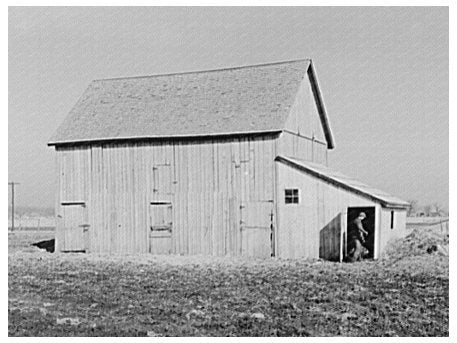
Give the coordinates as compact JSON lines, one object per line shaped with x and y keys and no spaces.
{"x":383,"y":73}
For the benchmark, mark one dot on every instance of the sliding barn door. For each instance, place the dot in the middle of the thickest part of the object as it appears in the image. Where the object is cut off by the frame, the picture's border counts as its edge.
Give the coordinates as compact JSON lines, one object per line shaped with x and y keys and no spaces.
{"x":257,"y":229}
{"x":160,"y":234}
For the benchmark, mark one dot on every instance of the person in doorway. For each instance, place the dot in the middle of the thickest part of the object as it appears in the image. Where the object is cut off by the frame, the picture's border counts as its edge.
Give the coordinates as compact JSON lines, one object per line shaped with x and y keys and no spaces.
{"x":357,"y":235}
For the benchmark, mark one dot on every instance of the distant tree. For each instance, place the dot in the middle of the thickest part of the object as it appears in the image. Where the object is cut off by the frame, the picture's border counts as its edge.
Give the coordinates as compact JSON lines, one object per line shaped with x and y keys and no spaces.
{"x":412,"y":207}
{"x":439,"y":210}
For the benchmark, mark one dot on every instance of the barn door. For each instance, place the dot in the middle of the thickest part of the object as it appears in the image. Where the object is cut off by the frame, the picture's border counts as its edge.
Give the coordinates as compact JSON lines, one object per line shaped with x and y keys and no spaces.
{"x":257,"y":229}
{"x":331,"y":238}
{"x":160,"y":228}
{"x":75,"y":228}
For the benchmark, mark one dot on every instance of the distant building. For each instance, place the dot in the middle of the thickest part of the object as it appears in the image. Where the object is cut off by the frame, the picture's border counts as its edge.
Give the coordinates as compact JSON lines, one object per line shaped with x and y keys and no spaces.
{"x":429,"y":211}
{"x":223,"y":162}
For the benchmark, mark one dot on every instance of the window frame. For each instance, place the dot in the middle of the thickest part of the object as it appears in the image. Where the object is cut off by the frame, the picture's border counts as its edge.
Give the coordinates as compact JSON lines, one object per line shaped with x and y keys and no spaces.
{"x":293,"y":198}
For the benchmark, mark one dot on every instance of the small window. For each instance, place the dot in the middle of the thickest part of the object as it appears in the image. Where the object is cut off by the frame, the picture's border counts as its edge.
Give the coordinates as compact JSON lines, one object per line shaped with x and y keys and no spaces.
{"x":291,"y":196}
{"x":392,"y":219}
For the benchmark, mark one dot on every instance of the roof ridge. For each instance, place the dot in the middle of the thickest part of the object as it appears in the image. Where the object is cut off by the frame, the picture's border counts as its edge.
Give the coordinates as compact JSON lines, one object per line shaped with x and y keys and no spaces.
{"x":203,"y":71}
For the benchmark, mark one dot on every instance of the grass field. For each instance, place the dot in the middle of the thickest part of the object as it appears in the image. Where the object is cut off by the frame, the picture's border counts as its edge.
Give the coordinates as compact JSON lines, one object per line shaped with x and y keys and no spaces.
{"x":405,"y":294}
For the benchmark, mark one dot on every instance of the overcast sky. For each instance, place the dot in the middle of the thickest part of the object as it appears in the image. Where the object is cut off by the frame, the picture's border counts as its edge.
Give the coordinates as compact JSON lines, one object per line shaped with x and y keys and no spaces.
{"x":383,"y":73}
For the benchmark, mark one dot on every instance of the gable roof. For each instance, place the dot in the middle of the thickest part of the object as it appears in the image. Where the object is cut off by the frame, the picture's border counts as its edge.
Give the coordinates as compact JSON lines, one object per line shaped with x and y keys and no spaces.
{"x":340,"y":180}
{"x":242,"y":100}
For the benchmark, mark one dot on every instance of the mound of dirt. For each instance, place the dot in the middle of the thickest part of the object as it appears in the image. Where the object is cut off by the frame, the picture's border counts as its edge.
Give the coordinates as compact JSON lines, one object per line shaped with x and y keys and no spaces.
{"x":48,"y":245}
{"x":420,"y":241}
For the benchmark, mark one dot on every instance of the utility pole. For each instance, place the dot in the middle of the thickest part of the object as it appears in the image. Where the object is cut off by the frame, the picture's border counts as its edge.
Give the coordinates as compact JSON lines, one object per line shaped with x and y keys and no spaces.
{"x":12,"y":202}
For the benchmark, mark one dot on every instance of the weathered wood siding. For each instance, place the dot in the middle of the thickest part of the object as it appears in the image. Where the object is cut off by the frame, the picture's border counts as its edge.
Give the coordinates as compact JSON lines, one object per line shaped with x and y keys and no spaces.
{"x":304,"y":137}
{"x":207,"y":182}
{"x":304,"y":229}
{"x":303,"y":116}
{"x":296,"y":146}
{"x":387,"y":233}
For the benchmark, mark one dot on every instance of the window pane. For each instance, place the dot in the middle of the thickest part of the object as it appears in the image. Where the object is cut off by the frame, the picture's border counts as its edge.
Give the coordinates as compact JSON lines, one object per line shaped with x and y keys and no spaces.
{"x":291,"y":196}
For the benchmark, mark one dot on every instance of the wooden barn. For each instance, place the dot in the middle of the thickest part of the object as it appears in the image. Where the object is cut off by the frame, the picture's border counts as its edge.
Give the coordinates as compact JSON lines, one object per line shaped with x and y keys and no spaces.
{"x":221,"y":162}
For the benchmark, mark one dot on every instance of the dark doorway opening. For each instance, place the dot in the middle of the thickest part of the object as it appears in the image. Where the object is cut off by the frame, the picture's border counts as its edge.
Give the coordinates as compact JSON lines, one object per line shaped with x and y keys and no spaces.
{"x":368,"y":224}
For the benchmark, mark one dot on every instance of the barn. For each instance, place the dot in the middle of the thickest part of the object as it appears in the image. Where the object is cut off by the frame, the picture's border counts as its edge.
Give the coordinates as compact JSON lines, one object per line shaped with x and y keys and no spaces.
{"x":221,"y":162}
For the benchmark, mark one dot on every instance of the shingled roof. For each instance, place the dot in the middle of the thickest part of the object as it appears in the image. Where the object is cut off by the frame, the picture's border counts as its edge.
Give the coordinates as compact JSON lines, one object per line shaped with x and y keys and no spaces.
{"x":242,"y":100}
{"x":343,"y":181}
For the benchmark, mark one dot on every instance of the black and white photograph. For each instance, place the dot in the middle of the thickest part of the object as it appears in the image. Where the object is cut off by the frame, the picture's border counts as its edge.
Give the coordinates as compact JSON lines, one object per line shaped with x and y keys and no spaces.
{"x":228,"y":171}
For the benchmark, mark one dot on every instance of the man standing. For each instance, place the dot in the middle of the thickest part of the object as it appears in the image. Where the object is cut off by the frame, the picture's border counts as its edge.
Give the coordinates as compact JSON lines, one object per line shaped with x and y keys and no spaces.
{"x":356,"y":238}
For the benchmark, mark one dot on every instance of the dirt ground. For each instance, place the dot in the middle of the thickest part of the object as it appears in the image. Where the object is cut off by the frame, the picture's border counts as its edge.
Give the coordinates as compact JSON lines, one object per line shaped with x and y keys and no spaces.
{"x":405,"y":294}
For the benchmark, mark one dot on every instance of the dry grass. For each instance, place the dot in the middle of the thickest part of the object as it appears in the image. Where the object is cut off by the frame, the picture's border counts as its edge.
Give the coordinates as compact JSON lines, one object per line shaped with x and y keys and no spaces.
{"x":407,"y":294}
{"x":21,"y":240}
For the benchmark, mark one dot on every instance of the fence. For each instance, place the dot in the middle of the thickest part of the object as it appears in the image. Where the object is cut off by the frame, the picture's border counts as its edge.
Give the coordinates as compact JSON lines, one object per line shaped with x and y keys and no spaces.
{"x":37,"y":223}
{"x":441,"y":222}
